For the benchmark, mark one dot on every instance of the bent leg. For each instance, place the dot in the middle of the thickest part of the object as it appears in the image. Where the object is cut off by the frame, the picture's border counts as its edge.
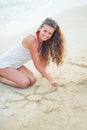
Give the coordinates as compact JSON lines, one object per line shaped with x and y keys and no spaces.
{"x":14,"y":78}
{"x":28,"y":74}
{"x":8,"y":82}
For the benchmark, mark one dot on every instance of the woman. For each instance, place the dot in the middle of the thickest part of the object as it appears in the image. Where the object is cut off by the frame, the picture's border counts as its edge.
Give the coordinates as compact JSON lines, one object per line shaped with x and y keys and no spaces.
{"x":48,"y":44}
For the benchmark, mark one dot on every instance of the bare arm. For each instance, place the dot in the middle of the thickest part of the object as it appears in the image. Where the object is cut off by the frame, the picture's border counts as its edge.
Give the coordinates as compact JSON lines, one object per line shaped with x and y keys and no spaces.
{"x":43,"y":63}
{"x":30,"y":43}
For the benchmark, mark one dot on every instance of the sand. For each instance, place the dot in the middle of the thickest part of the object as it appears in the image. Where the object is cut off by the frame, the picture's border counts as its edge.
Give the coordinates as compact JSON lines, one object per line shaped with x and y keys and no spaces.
{"x":43,"y":107}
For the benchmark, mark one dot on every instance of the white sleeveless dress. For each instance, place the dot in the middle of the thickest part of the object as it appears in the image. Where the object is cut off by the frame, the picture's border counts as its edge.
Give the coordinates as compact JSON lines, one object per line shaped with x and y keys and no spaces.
{"x":15,"y":57}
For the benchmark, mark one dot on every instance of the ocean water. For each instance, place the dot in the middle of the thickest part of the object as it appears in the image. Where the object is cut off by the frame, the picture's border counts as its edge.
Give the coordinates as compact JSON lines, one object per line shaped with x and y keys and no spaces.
{"x":17,"y":16}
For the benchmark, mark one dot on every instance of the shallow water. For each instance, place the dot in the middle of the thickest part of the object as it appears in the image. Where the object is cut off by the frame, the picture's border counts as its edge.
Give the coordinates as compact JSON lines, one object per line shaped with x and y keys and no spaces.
{"x":19,"y":15}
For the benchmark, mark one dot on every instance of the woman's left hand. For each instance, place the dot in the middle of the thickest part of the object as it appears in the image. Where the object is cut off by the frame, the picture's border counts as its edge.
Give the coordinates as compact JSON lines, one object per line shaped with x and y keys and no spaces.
{"x":54,"y":83}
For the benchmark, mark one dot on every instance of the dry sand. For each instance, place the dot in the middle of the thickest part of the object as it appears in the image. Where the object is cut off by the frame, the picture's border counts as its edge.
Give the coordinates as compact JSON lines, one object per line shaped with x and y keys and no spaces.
{"x":42,"y":107}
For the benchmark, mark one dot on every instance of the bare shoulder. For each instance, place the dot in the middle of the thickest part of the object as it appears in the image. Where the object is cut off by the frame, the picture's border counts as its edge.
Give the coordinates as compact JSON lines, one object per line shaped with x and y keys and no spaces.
{"x":29,"y":41}
{"x":30,"y":38}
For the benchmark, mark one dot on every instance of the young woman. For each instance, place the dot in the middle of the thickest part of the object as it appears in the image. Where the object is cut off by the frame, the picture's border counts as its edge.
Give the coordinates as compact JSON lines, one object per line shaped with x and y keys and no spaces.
{"x":48,"y":44}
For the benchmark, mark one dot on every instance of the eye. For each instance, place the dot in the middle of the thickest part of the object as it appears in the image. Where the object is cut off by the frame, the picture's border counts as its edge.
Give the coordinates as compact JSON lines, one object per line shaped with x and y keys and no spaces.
{"x":45,"y":31}
{"x":50,"y":33}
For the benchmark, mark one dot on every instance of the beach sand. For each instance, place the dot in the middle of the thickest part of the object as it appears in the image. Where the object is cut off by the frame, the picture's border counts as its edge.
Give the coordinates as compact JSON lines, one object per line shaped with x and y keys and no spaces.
{"x":43,"y":107}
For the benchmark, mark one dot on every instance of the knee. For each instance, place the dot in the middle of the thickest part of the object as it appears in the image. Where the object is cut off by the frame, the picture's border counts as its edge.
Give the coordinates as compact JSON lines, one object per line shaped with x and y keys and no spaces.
{"x":25,"y":83}
{"x":33,"y":80}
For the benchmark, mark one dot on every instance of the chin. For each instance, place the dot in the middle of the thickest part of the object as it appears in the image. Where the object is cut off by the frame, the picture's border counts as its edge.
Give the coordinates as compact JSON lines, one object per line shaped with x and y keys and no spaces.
{"x":45,"y":39}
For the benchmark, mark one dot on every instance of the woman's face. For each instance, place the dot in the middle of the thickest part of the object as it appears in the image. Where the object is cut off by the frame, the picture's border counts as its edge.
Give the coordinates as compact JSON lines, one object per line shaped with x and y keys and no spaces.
{"x":46,"y":32}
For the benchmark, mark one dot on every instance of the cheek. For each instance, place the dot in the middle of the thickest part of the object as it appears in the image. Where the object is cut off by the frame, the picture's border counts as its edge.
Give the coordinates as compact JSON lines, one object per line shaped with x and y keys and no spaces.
{"x":41,"y":33}
{"x":49,"y":36}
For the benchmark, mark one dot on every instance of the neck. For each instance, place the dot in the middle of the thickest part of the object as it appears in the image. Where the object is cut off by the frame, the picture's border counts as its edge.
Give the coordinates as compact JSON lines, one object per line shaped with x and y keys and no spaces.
{"x":39,"y":40}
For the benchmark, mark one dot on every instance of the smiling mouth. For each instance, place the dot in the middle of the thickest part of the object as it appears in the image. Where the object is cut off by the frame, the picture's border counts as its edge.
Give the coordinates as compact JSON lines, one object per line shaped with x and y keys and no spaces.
{"x":45,"y":37}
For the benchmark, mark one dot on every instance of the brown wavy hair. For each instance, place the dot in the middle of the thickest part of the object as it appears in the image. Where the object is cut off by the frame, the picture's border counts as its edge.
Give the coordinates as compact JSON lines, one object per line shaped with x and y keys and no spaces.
{"x":54,"y":48}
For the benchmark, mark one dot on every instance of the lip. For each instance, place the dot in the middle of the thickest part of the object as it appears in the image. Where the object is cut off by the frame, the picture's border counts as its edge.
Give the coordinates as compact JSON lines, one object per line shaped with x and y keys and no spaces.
{"x":45,"y":38}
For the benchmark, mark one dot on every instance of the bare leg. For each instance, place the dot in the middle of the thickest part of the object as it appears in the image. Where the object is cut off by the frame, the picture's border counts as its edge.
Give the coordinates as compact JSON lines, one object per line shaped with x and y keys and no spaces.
{"x":28,"y":74}
{"x":14,"y":78}
{"x":6,"y":81}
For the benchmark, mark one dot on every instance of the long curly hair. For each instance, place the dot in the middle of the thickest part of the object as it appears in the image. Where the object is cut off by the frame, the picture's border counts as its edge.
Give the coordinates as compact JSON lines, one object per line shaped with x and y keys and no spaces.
{"x":54,"y":48}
